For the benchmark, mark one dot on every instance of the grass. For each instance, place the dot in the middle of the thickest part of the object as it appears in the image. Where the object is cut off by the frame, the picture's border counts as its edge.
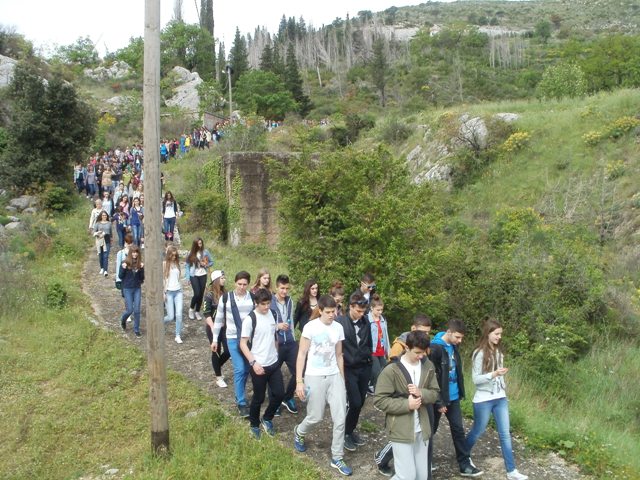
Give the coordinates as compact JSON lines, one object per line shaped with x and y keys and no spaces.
{"x":74,"y":397}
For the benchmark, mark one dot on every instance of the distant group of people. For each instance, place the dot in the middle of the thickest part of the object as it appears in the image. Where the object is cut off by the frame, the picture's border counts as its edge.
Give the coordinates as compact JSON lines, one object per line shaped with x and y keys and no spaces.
{"x":199,"y":138}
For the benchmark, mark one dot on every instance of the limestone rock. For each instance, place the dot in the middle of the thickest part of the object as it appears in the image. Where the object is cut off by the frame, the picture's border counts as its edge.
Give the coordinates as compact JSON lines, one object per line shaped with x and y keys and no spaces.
{"x":7,"y":66}
{"x":11,"y":209}
{"x":14,"y":226}
{"x":473,"y":132}
{"x":25,"y":201}
{"x":186,"y":93}
{"x":31,"y":210}
{"x":507,"y":117}
{"x":117,"y":70}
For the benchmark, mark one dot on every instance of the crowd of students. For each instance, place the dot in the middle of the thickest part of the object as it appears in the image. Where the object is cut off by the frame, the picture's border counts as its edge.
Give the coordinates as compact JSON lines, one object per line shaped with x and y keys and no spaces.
{"x":335,"y":354}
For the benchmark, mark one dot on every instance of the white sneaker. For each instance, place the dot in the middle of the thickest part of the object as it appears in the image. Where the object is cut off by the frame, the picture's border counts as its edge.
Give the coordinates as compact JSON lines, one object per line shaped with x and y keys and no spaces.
{"x":130,"y":319}
{"x":198,"y":315}
{"x":178,"y":339}
{"x":220,"y":382}
{"x":102,"y":271}
{"x":106,"y":273}
{"x":516,"y":475}
{"x":192,"y":315}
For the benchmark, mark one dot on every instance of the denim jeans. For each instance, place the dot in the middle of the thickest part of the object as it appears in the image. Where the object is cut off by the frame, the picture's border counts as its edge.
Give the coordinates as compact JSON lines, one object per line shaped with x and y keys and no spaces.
{"x":168,"y":225}
{"x":173,"y":304}
{"x":240,"y":370}
{"x":132,"y":302}
{"x":500,"y":410}
{"x":103,"y":256}
{"x":136,"y":231}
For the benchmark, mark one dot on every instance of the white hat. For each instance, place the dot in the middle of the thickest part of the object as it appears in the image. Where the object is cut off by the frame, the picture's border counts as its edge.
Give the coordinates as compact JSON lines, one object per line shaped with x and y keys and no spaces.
{"x":216,"y":274}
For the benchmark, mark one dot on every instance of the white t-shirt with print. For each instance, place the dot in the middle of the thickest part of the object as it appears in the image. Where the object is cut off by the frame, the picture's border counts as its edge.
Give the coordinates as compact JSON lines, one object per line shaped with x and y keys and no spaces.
{"x":321,"y":359}
{"x":263,"y":345}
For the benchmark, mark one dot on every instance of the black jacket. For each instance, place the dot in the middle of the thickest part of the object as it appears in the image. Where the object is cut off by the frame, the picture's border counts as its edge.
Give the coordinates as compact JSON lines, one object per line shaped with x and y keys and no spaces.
{"x":356,"y":349}
{"x":440,"y":359}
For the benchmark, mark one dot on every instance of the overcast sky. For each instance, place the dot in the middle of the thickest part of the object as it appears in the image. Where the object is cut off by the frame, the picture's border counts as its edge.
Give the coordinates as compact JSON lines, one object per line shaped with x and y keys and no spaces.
{"x":110,"y":23}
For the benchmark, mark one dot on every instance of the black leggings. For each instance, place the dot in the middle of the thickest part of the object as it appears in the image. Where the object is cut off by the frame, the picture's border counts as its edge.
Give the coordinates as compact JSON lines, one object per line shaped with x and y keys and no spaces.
{"x":198,"y":284}
{"x":218,"y":359}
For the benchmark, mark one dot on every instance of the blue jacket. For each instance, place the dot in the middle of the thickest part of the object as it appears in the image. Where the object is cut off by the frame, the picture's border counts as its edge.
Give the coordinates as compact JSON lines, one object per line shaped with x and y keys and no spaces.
{"x":374,"y":333}
{"x":284,"y":336}
{"x":439,"y":356}
{"x":131,"y":279}
{"x":190,"y":270}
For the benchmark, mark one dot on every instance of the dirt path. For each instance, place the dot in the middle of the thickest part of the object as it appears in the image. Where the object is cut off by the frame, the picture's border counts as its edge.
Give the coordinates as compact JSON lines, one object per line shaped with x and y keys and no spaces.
{"x":192,"y":359}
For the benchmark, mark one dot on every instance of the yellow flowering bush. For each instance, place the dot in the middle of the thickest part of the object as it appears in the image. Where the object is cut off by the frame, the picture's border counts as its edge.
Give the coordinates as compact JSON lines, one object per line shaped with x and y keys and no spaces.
{"x":516,"y":141}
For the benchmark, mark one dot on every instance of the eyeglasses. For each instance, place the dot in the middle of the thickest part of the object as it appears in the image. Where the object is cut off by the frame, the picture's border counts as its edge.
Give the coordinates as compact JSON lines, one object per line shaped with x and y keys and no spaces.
{"x":361,"y":303}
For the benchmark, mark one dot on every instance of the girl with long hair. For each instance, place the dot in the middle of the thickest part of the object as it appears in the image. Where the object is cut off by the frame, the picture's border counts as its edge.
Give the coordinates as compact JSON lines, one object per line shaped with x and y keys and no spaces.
{"x":337,"y":292}
{"x":199,"y":261}
{"x":173,"y":296}
{"x":170,"y":211}
{"x":379,"y":339}
{"x":307,"y":303}
{"x":136,"y":216}
{"x":211,"y":299}
{"x":263,"y":280}
{"x":102,"y":231}
{"x":132,"y":276}
{"x":491,"y":396}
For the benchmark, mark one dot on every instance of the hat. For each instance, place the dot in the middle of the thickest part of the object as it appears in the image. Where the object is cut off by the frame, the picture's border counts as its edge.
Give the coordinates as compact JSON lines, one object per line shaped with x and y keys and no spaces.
{"x":216,"y":274}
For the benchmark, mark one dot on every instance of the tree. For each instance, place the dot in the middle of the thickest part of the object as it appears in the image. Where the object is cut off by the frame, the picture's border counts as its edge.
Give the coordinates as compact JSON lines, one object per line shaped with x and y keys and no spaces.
{"x":238,"y":57}
{"x":543,"y":30}
{"x":293,"y":82}
{"x":206,"y":16}
{"x":50,"y":128}
{"x":264,"y":94}
{"x":189,"y":46}
{"x":83,"y":52}
{"x":266,"y":59}
{"x":132,"y":54}
{"x":380,"y":68}
{"x":222,"y":61}
{"x":562,"y":80}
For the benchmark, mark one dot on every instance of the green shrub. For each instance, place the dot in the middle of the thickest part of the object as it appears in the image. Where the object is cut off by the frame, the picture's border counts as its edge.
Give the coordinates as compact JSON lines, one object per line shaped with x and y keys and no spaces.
{"x":207,"y":209}
{"x":56,"y":198}
{"x":395,"y":131}
{"x":57,"y":296}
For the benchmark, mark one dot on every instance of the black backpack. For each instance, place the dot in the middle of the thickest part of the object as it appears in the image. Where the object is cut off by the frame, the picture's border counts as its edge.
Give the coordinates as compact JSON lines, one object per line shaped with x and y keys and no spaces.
{"x":254,"y":320}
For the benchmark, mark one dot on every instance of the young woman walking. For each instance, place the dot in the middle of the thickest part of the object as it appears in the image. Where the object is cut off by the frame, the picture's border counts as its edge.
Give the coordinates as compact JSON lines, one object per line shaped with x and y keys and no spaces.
{"x":263,"y":280}
{"x":102,"y":231}
{"x":306,"y":304}
{"x":211,"y":300}
{"x":380,"y":339}
{"x":136,"y":216}
{"x":170,"y":211}
{"x":199,"y":261}
{"x":132,"y":276}
{"x":173,"y":296}
{"x":491,"y":397}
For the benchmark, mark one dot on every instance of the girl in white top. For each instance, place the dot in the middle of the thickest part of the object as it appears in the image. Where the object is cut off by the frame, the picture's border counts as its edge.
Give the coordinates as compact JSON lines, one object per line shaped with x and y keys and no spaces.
{"x":173,"y":296}
{"x":491,"y":396}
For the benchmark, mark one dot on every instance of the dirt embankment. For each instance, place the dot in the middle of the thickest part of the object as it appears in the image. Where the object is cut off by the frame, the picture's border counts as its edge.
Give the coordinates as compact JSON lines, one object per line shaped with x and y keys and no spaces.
{"x":193,"y":360}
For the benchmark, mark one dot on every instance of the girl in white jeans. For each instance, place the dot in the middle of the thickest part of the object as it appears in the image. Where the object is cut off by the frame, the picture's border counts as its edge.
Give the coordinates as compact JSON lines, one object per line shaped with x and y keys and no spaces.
{"x":173,"y":295}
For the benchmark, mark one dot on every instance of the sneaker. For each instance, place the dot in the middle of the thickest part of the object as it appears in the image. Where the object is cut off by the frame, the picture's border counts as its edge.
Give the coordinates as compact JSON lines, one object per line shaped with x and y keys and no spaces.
{"x":178,"y":339}
{"x":123,"y":324}
{"x":130,"y":319}
{"x":471,"y":463}
{"x":298,"y":441}
{"x":198,"y":316}
{"x":278,"y":412}
{"x":267,"y":426}
{"x":357,"y":439}
{"x":471,"y":472}
{"x":386,"y":470}
{"x":243,"y":410}
{"x":371,"y":390}
{"x":516,"y":475}
{"x":339,"y":464}
{"x":256,"y":432}
{"x":102,"y":271}
{"x":192,"y":315}
{"x":220,"y":382}
{"x":291,"y":405}
{"x":106,"y":273}
{"x":349,"y":444}
{"x":138,"y":334}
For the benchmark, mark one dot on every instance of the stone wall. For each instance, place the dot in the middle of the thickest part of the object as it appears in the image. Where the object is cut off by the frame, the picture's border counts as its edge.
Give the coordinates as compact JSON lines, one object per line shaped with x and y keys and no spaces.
{"x":258,"y":215}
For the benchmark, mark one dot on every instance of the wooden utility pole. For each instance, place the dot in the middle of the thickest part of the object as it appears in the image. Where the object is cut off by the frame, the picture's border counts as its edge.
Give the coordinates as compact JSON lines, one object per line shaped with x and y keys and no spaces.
{"x":153,"y":232}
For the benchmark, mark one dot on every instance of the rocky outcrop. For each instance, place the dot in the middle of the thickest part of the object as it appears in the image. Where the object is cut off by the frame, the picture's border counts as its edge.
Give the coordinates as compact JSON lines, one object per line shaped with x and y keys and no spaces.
{"x":25,"y":201}
{"x":117,"y":70}
{"x":7,"y":66}
{"x":186,"y":93}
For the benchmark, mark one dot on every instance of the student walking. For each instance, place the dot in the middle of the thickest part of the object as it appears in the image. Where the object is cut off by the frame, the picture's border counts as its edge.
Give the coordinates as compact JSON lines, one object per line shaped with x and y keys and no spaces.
{"x":263,"y":280}
{"x":199,"y":261}
{"x":259,"y":348}
{"x":446,"y":360}
{"x":233,"y":307}
{"x":307,"y":303}
{"x":491,"y":396}
{"x":211,"y":299}
{"x":170,"y":209}
{"x":379,"y":339}
{"x":404,"y":390}
{"x":321,"y":350}
{"x":173,"y":296}
{"x":132,"y":276}
{"x":102,"y":231}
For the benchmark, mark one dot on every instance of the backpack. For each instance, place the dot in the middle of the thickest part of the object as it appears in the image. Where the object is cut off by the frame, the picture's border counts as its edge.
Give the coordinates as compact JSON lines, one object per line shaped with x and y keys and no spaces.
{"x":254,"y":320}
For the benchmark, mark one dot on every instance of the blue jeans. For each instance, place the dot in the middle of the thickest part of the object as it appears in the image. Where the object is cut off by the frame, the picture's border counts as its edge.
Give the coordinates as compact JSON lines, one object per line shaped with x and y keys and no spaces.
{"x":136,"y":231}
{"x":168,"y":225}
{"x":173,"y":304}
{"x":132,"y":302}
{"x":103,"y":256}
{"x":240,"y":370}
{"x":500,"y":410}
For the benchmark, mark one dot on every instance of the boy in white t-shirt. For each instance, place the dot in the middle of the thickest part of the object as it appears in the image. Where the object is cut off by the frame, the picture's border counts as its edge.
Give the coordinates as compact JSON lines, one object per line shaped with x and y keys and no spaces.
{"x":262,"y":356}
{"x":321,"y":348}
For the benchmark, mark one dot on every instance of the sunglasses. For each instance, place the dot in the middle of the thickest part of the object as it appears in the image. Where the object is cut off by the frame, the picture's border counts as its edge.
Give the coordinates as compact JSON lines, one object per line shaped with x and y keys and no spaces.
{"x":361,"y":303}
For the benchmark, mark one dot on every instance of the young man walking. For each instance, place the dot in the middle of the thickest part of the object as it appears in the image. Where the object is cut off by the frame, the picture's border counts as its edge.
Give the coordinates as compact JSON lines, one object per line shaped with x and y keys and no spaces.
{"x":404,"y":390}
{"x":258,"y":345}
{"x":282,"y":304}
{"x":446,"y":360}
{"x":357,"y":364}
{"x":421,"y":323}
{"x":321,"y":349}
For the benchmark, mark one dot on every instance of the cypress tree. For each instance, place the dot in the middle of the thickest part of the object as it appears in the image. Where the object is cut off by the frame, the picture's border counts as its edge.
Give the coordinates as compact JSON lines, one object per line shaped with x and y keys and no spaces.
{"x":293,"y":82}
{"x":238,"y":57}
